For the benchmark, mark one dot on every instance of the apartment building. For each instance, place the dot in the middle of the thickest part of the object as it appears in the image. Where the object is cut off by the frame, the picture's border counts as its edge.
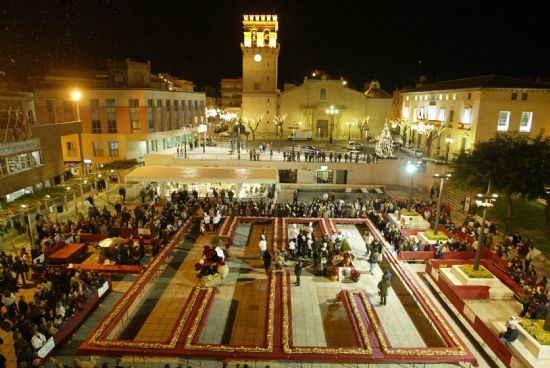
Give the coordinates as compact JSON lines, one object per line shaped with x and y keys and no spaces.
{"x":30,"y":150}
{"x":475,"y":109}
{"x":130,"y":113}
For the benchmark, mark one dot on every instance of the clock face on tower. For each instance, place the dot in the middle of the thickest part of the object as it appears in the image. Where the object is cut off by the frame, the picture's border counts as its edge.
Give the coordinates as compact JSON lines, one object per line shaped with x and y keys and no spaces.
{"x":257,"y":58}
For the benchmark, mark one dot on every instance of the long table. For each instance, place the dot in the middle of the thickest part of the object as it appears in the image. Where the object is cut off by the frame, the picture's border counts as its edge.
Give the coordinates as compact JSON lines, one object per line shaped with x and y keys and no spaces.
{"x":70,"y":253}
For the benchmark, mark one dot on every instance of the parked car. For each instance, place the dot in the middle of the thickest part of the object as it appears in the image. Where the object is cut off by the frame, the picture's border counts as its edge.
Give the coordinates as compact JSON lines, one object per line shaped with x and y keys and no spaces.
{"x":308,"y":149}
{"x":221,"y":128}
{"x":225,"y":134}
{"x":354,"y":145}
{"x":209,"y":142}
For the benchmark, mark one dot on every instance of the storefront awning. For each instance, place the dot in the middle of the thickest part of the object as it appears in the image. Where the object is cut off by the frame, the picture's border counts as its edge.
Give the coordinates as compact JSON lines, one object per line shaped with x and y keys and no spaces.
{"x":198,"y":175}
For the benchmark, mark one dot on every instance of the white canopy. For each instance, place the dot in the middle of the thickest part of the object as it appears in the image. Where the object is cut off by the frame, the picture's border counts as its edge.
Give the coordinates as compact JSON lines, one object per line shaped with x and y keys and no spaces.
{"x":198,"y":175}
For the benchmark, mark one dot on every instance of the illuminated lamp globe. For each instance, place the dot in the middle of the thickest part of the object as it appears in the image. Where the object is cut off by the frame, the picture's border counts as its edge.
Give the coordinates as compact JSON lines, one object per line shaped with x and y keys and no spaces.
{"x":257,"y":58}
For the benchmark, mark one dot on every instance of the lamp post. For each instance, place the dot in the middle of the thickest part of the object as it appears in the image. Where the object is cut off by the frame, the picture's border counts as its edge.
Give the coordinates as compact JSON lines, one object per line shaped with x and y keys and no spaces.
{"x":486,"y":201}
{"x":203,"y":128}
{"x":238,"y":123}
{"x":442,"y":179}
{"x":294,"y":128}
{"x":29,"y":220}
{"x":448,"y":140}
{"x":411,"y":168}
{"x":75,"y":96}
{"x":331,"y":111}
{"x":349,"y":124}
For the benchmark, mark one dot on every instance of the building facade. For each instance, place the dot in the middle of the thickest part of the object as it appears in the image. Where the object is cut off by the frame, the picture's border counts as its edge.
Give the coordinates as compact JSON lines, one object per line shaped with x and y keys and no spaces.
{"x":304,"y":105}
{"x":30,"y":150}
{"x":134,"y":116}
{"x":475,"y":109}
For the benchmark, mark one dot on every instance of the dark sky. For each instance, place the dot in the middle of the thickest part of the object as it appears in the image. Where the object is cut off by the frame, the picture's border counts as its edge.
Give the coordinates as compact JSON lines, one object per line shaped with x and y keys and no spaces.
{"x":359,"y":40}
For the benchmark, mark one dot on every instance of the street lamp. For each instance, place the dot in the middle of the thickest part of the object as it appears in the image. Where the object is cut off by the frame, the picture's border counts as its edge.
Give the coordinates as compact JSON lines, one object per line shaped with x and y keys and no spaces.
{"x":331,"y":111}
{"x":349,"y":124}
{"x":486,"y":201}
{"x":202,"y":129}
{"x":442,"y":179}
{"x":411,"y":169}
{"x":448,"y":140}
{"x":238,"y":123}
{"x":75,"y":96}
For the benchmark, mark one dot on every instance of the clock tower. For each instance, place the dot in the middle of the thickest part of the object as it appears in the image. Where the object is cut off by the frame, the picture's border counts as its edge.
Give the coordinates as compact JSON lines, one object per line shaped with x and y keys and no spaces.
{"x":260,"y":50}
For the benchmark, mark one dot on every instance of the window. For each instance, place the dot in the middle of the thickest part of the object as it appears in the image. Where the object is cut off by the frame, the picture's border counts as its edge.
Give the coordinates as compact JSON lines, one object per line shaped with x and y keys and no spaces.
{"x":113,"y":149}
{"x":196,"y":112}
{"x":133,"y":107}
{"x":440,"y":96}
{"x":407,"y":98}
{"x":95,"y":116}
{"x":405,"y":113}
{"x":168,"y":116}
{"x":415,"y":116}
{"x":451,"y":116}
{"x":150,"y":116}
{"x":176,"y":114}
{"x":524,"y":96}
{"x":422,"y":113}
{"x":323,"y":94}
{"x":514,"y":96}
{"x":467,"y":117}
{"x":190,"y":110}
{"x":71,"y":150}
{"x":525,"y":122}
{"x":503,"y":121}
{"x":441,"y":116}
{"x":159,"y":115}
{"x":454,"y":96}
{"x":50,"y":111}
{"x":67,"y":111}
{"x":184,"y":113}
{"x":37,"y":158}
{"x":110,"y":110}
{"x":97,"y":148}
{"x":469,"y":95}
{"x":256,"y":86}
{"x":416,"y":98}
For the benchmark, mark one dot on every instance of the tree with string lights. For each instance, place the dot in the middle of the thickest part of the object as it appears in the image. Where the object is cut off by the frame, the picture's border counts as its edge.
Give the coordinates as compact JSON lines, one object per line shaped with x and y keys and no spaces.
{"x":384,"y":146}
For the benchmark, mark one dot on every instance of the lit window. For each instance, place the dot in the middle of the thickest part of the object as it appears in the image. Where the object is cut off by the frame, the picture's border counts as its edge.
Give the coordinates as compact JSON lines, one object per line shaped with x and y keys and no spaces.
{"x":425,"y":97}
{"x":441,"y":96}
{"x":405,"y":113}
{"x":524,"y":96}
{"x":467,"y":117}
{"x":447,"y":96}
{"x":113,"y":149}
{"x":416,"y":98}
{"x":407,"y":98}
{"x":454,"y":96}
{"x":422,"y":113}
{"x":323,"y":94}
{"x":415,"y":119}
{"x":525,"y":122}
{"x":514,"y":96}
{"x":432,"y":112}
{"x":441,"y":116}
{"x":503,"y":121}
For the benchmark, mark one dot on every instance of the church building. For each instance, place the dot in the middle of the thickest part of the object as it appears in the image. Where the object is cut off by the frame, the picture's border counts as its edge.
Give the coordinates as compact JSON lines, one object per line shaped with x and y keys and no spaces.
{"x":323,"y":105}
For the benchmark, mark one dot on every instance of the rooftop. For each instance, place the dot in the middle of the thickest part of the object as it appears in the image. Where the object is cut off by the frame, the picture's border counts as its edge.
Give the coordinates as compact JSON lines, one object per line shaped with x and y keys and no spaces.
{"x":483,"y":81}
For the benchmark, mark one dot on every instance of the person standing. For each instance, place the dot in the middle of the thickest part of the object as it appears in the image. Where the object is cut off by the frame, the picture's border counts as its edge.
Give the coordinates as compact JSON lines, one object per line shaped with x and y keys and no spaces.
{"x":19,"y":269}
{"x":373,"y":260}
{"x":383,"y":287}
{"x":267,"y":260}
{"x":263,"y":247}
{"x":298,"y":271}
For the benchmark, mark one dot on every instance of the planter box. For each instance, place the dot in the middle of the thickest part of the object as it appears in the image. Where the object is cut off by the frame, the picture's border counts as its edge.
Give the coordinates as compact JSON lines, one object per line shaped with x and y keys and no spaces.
{"x":538,"y":350}
{"x":526,"y":348}
{"x":466,"y":280}
{"x":497,"y":290}
{"x":409,"y":222}
{"x":424,"y":239}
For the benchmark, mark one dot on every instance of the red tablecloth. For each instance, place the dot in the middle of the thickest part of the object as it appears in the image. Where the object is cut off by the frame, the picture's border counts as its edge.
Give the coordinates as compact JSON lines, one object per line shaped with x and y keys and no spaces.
{"x":69,"y":253}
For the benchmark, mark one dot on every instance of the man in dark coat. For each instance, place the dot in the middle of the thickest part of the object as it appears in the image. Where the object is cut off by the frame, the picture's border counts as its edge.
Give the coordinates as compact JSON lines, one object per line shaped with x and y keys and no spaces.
{"x":267,"y":260}
{"x":383,"y":287}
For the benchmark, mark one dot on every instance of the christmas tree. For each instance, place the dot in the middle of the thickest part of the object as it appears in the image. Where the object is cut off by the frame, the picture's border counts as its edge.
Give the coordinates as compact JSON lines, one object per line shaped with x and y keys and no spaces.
{"x":384,"y":146}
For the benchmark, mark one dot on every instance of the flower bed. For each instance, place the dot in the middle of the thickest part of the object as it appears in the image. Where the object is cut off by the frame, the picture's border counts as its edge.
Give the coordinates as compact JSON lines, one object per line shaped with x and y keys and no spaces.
{"x":481,"y":273}
{"x":535,"y":329}
{"x":405,"y":212}
{"x":435,"y":237}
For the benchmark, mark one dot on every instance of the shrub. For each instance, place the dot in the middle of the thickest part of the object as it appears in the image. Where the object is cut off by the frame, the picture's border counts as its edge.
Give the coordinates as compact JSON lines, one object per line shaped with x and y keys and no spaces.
{"x":345,"y":247}
{"x":481,"y":273}
{"x":536,"y":329}
{"x":120,"y":164}
{"x":405,"y":212}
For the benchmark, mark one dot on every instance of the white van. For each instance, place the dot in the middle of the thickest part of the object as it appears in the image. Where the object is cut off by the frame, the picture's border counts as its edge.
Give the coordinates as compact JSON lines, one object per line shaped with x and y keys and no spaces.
{"x":304,"y":135}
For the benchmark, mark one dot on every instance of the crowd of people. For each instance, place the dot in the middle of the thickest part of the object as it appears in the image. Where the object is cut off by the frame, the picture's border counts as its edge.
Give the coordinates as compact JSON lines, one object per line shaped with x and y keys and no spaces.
{"x":299,"y":155}
{"x":62,"y":294}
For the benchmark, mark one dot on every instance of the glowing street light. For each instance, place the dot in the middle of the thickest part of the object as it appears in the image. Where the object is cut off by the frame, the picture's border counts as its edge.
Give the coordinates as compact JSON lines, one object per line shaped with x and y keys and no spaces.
{"x":331,"y":111}
{"x":486,"y":201}
{"x":442,"y":178}
{"x":349,"y":124}
{"x":75,"y":96}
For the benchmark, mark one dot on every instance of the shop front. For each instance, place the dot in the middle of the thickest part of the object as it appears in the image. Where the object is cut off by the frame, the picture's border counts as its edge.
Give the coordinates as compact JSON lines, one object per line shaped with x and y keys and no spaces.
{"x":249,"y":183}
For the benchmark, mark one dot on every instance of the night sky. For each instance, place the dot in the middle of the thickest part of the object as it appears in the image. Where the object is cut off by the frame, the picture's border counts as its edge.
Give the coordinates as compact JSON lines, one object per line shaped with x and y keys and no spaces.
{"x":359,"y":40}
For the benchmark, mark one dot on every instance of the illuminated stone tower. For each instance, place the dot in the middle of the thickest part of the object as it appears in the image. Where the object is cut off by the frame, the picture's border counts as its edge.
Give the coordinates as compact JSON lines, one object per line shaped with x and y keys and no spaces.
{"x":260,"y":58}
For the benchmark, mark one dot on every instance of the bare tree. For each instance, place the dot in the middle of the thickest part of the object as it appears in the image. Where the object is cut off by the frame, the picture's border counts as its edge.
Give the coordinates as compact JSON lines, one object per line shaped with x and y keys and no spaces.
{"x":363,"y":125}
{"x":431,"y":136}
{"x":279,"y":121}
{"x":253,"y":124}
{"x":403,"y":126}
